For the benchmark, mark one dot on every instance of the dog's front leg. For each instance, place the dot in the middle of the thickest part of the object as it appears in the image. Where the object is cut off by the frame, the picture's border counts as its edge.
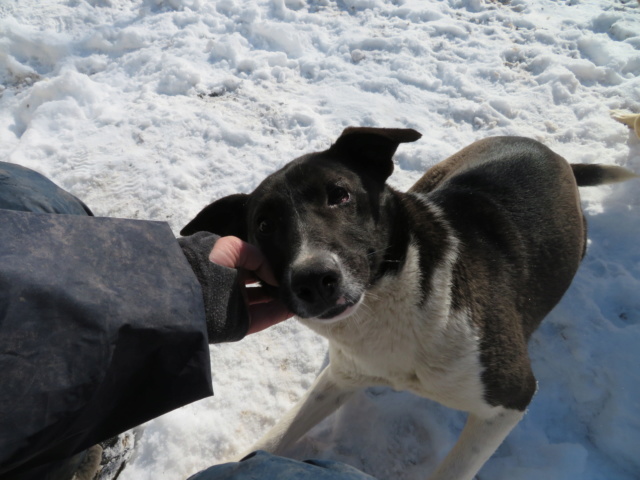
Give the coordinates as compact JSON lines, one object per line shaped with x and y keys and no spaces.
{"x":479,"y":439}
{"x":323,"y":398}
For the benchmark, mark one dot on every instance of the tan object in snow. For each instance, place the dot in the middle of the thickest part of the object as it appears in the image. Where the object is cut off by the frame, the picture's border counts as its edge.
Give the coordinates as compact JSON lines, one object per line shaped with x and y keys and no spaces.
{"x":630,"y":119}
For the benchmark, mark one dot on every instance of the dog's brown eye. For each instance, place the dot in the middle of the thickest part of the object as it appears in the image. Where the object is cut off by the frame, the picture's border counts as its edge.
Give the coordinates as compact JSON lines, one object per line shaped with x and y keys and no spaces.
{"x":337,"y":195}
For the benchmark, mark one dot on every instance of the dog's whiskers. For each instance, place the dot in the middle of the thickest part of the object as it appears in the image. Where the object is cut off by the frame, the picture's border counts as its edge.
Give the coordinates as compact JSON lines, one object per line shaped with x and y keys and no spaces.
{"x":359,"y":318}
{"x":372,"y":296}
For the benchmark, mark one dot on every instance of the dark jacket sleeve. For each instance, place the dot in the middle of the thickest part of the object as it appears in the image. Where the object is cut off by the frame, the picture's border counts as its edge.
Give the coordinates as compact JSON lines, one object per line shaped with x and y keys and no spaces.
{"x":102,"y":328}
{"x":224,"y":303}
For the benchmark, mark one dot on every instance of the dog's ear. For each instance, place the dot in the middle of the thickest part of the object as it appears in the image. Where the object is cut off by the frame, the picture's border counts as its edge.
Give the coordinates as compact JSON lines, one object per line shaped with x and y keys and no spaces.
{"x":373,"y":148}
{"x":225,"y":216}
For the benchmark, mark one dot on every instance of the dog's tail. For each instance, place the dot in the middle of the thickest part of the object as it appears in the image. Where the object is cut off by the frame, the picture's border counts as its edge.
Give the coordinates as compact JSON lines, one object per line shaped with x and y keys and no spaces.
{"x":590,"y":175}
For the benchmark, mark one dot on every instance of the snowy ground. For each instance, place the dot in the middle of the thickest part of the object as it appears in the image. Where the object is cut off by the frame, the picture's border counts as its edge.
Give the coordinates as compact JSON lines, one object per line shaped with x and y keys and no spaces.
{"x":151,"y":108}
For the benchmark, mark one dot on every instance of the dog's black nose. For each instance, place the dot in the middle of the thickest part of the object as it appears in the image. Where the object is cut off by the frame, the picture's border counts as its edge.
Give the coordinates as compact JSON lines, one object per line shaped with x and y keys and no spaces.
{"x":316,"y":282}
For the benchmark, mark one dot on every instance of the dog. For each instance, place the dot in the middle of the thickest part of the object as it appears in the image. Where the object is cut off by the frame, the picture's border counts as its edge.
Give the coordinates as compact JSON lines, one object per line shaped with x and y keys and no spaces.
{"x":436,"y":290}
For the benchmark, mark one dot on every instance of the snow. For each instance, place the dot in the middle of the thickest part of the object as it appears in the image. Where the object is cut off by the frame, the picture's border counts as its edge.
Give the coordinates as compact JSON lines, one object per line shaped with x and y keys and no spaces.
{"x":150,"y":109}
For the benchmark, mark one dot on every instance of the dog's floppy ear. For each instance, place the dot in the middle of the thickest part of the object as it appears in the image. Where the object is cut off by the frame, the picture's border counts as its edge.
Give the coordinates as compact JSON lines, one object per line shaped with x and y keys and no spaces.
{"x":373,"y":148}
{"x":225,"y":216}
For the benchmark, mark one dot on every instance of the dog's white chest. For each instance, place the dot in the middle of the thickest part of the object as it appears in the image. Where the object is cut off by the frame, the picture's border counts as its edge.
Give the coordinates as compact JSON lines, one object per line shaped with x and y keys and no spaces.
{"x":391,"y":340}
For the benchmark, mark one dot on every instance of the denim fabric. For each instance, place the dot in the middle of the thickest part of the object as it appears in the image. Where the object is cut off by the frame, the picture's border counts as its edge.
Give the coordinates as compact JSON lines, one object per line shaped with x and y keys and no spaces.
{"x":24,"y":190}
{"x":264,"y":466}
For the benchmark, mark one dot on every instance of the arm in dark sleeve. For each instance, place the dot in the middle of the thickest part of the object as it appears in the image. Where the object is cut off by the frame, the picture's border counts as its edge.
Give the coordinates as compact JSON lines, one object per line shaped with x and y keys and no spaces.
{"x":224,"y":302}
{"x":102,"y":327}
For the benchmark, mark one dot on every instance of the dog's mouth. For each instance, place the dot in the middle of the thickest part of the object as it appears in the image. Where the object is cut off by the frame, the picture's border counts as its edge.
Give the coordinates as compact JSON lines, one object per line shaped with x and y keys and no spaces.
{"x":334,"y":312}
{"x":343,"y":309}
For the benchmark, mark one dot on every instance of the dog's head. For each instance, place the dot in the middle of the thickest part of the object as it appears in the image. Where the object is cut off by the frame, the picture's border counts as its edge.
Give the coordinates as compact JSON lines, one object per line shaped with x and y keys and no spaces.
{"x":320,"y":221}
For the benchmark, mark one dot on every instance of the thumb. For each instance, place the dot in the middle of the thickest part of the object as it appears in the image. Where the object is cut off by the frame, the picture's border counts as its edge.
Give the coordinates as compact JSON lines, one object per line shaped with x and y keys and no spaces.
{"x":233,"y":252}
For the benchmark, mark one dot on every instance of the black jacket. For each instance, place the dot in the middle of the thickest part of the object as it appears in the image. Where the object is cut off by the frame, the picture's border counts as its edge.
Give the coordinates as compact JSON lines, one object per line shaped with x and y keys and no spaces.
{"x":103,"y":326}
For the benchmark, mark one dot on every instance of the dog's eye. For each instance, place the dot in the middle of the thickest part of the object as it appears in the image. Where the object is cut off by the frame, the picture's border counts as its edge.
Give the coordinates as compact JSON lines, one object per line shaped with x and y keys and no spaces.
{"x":337,"y":195}
{"x":265,"y":227}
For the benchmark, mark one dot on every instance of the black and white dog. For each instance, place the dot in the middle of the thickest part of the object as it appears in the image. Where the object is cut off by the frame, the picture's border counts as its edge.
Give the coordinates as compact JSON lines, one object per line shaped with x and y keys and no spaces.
{"x":436,"y":290}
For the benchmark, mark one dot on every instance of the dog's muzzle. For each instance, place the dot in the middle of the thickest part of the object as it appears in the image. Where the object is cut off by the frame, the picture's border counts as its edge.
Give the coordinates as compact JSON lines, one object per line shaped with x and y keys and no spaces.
{"x":318,"y":288}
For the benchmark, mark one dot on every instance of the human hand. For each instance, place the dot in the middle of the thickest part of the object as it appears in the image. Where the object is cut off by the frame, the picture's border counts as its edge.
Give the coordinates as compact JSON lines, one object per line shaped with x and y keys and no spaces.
{"x":264,"y":310}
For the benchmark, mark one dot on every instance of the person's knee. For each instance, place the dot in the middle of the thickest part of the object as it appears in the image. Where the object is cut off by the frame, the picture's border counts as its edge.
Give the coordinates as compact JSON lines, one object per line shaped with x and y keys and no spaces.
{"x":265,"y":465}
{"x":26,"y":190}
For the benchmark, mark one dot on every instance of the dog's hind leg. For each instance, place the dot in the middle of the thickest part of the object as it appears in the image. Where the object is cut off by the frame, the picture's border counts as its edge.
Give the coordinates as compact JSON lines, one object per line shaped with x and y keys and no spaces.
{"x":479,"y":439}
{"x":322,"y":399}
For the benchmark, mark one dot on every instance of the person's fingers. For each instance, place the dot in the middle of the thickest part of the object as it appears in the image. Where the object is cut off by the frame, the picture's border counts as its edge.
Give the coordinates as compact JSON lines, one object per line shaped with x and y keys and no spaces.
{"x":265,"y":315}
{"x":264,"y":311}
{"x":257,"y":295}
{"x":234,"y":253}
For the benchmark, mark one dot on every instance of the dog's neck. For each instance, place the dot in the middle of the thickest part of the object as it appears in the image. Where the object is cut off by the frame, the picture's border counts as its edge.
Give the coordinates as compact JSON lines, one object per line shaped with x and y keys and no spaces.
{"x":409,"y":218}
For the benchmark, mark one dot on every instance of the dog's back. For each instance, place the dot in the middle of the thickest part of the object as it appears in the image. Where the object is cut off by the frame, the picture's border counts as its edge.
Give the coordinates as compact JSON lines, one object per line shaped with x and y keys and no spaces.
{"x":515,"y":206}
